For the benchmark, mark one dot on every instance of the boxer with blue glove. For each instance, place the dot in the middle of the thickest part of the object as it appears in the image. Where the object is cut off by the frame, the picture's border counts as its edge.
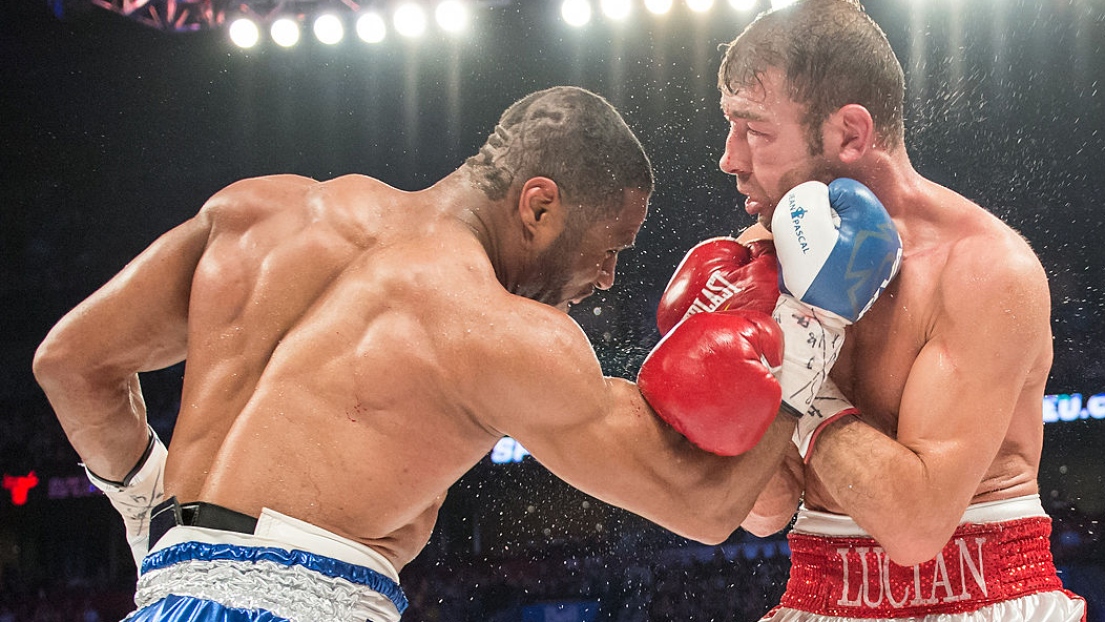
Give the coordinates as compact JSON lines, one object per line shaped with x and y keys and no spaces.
{"x":899,"y":504}
{"x":837,"y":250}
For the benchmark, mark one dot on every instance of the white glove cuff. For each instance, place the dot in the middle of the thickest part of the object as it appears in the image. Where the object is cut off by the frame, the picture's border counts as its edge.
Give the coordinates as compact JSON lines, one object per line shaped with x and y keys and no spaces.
{"x":812,"y":339}
{"x":141,"y":490}
{"x":829,"y":405}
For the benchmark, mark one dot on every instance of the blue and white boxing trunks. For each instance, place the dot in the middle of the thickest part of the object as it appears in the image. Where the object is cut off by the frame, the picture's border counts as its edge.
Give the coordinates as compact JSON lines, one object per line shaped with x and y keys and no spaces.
{"x":287,"y":570}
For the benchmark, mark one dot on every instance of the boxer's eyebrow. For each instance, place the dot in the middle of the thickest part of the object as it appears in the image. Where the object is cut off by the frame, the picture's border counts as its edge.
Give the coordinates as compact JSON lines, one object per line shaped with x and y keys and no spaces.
{"x":731,"y":112}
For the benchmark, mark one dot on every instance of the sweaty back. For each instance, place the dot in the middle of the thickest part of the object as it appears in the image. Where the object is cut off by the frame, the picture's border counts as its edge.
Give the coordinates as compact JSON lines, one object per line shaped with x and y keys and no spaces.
{"x":309,"y":366}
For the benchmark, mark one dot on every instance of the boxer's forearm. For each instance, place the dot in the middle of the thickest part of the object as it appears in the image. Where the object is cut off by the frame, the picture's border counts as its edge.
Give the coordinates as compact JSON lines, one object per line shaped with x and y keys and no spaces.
{"x":761,"y":467}
{"x":631,"y":459}
{"x":104,"y":418}
{"x":717,"y":493}
{"x":889,"y":490}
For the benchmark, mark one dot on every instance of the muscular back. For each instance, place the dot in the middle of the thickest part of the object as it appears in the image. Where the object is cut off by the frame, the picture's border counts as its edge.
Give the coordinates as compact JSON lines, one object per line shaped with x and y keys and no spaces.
{"x":312,"y":370}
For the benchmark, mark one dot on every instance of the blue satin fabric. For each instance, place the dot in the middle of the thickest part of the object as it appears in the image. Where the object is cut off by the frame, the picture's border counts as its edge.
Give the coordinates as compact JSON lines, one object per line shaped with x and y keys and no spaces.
{"x":185,"y":609}
{"x":205,"y":551}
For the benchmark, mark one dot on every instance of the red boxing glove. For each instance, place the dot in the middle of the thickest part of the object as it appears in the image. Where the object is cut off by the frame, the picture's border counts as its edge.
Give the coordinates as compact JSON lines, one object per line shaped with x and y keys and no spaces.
{"x":711,"y":379}
{"x":719,"y":274}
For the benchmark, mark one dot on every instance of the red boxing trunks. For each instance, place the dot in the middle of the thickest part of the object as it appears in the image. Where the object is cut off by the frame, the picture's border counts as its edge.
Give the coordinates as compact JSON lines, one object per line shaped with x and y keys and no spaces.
{"x":984,"y":563}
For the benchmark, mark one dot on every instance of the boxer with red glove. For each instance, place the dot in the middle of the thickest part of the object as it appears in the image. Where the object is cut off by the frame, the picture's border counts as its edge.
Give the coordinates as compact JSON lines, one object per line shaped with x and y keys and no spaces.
{"x":713,"y":379}
{"x":719,"y":274}
{"x":838,"y":249}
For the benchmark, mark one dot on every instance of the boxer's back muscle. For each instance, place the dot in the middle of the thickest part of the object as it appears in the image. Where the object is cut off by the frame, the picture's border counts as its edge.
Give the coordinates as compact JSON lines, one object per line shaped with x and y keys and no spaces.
{"x":315,"y":383}
{"x":266,"y":261}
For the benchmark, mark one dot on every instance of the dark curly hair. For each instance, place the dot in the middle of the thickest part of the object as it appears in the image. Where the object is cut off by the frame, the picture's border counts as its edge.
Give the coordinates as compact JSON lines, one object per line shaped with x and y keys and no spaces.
{"x":572,"y":136}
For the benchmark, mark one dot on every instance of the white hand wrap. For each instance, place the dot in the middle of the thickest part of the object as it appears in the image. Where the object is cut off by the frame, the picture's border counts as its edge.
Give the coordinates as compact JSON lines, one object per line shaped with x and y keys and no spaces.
{"x":829,"y":405}
{"x":812,"y":339}
{"x":137,"y":494}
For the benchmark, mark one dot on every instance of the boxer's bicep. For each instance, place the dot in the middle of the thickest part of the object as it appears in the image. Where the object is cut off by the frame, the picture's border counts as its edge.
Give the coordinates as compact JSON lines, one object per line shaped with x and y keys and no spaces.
{"x":655,"y":472}
{"x":583,"y":426}
{"x":962,"y":390}
{"x":625,"y":455}
{"x":988,"y":331}
{"x":546,"y":389}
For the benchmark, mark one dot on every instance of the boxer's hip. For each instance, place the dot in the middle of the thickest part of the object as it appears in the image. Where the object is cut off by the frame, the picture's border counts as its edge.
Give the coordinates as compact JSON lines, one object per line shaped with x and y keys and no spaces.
{"x":1000,"y":553}
{"x":284,"y":567}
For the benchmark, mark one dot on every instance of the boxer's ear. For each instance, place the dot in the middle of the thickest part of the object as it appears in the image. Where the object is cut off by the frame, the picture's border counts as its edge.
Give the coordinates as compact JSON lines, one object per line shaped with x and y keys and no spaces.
{"x":542,"y":211}
{"x":849,"y":133}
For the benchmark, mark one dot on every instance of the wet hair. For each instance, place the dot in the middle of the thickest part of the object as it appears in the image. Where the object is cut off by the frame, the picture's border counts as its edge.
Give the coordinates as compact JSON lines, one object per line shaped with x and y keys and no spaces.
{"x":832,"y":54}
{"x":572,"y":136}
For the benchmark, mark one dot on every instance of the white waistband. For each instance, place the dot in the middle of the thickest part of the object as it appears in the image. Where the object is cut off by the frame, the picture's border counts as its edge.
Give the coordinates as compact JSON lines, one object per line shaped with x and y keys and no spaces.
{"x":839,"y":525}
{"x":281,"y":531}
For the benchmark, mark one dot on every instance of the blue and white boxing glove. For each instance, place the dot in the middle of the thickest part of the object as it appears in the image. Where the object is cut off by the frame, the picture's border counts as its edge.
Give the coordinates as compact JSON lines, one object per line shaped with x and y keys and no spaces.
{"x":837,"y":249}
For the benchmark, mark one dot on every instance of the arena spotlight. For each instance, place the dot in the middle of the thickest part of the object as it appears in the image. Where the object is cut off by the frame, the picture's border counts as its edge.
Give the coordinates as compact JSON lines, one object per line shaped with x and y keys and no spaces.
{"x":409,"y":20}
{"x":616,"y":9}
{"x":700,"y":6}
{"x":244,"y":33}
{"x":285,"y":32}
{"x":371,"y":27}
{"x":658,"y":7}
{"x":451,"y":16}
{"x":328,"y":29}
{"x":576,"y":12}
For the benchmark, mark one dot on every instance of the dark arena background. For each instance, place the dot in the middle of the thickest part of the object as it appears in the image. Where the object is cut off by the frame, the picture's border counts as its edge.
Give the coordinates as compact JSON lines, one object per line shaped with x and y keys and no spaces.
{"x":117,"y":121}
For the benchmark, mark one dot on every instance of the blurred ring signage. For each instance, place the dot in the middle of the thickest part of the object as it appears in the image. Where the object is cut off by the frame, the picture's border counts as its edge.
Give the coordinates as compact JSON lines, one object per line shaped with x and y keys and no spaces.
{"x":1072,"y":407}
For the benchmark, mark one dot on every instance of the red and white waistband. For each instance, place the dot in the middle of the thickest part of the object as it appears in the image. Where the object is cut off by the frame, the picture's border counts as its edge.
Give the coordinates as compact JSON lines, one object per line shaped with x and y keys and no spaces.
{"x":1000,"y":551}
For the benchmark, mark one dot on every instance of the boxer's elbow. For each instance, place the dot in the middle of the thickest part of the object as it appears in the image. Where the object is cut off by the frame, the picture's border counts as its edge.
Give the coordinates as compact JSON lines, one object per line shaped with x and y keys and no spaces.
{"x":763,"y":526}
{"x":59,"y":367}
{"x":712,"y":524}
{"x":694,"y":522}
{"x":910,"y":554}
{"x":50,"y":365}
{"x":909,"y":545}
{"x":710,"y":534}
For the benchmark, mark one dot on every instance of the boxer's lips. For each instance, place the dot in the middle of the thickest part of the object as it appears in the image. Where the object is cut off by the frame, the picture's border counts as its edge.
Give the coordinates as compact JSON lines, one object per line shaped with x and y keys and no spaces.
{"x":753,"y":206}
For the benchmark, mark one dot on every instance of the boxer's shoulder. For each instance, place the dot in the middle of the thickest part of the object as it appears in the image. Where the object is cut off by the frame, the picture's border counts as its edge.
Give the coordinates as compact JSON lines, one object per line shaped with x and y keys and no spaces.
{"x":989,"y":257}
{"x":242,"y":204}
{"x":265,"y":188}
